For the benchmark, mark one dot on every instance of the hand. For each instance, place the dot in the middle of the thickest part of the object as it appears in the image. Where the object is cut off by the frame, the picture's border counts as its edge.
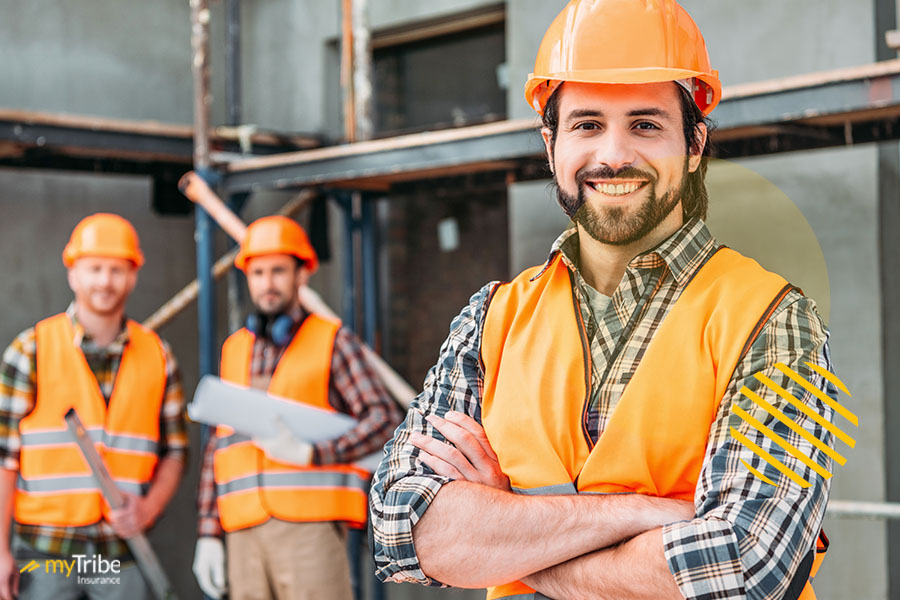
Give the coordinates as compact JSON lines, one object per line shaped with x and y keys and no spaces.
{"x":469,"y":456}
{"x":284,"y":447}
{"x":209,"y":566}
{"x":135,"y":516}
{"x":9,"y":576}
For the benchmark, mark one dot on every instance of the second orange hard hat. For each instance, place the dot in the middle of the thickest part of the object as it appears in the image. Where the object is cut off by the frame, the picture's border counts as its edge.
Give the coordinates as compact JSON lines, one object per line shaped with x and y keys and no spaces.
{"x":105,"y":235}
{"x":276,"y":235}
{"x":623,"y":41}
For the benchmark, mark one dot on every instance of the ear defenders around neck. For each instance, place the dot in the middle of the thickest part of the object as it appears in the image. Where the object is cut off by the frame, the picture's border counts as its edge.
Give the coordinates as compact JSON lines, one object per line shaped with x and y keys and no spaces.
{"x":277,"y":329}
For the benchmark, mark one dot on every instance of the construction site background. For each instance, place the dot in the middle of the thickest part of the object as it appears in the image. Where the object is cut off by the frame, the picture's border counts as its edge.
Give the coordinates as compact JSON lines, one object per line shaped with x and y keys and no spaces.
{"x":130,"y":59}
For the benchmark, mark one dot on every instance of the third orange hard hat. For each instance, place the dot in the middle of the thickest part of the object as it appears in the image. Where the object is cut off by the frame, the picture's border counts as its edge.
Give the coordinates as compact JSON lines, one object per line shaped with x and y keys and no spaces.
{"x":623,"y":41}
{"x":105,"y":235}
{"x":276,"y":235}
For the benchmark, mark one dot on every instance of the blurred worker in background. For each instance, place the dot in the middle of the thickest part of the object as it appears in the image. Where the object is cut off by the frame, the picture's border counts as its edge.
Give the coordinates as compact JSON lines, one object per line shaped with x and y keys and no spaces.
{"x":613,"y":367}
{"x":124,"y":383}
{"x":283,"y":503}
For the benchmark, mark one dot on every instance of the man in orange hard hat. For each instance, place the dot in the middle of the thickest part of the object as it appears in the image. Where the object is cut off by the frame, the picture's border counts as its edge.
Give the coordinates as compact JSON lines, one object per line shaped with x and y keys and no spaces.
{"x":125,"y":385}
{"x":576,"y":437}
{"x":283,"y":504}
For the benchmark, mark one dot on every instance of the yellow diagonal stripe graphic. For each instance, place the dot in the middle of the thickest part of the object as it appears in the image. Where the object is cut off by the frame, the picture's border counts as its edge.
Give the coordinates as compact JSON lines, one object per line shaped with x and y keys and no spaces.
{"x":828,"y":400}
{"x":806,"y":410}
{"x":780,"y":441}
{"x":757,"y":473}
{"x":830,"y":377}
{"x":763,"y":404}
{"x":30,"y":567}
{"x":769,"y":458}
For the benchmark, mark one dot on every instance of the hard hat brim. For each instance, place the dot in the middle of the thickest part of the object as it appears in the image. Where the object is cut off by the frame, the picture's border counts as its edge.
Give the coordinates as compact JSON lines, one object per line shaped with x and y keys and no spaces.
{"x":623,"y":76}
{"x":69,"y":257}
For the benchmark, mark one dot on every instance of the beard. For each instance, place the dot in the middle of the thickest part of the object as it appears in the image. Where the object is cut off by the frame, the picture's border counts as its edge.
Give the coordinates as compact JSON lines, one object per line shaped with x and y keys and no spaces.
{"x":612,"y":225}
{"x":270,"y":306}
{"x":103,"y":302}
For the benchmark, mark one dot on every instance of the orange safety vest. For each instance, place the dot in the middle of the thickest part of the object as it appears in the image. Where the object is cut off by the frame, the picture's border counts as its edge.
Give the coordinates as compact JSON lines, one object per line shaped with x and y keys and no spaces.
{"x":537,"y":385}
{"x":55,"y":485}
{"x":251,"y":488}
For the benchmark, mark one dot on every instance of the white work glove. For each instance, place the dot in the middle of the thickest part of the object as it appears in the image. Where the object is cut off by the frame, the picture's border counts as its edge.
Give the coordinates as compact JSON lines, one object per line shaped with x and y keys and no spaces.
{"x":284,"y":447}
{"x":209,"y":566}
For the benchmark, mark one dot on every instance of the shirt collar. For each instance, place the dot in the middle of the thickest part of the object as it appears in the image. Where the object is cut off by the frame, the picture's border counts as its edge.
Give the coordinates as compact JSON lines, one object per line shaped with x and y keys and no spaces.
{"x":298,"y":314}
{"x":81,"y":337}
{"x":683,"y":251}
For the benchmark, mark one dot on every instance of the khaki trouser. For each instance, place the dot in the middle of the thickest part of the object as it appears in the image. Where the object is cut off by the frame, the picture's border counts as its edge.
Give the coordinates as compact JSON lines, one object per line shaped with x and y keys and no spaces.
{"x":289,"y":561}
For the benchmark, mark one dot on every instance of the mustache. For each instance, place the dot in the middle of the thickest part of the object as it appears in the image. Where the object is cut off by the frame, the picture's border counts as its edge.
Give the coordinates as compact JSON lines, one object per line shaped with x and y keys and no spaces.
{"x":607,"y":172}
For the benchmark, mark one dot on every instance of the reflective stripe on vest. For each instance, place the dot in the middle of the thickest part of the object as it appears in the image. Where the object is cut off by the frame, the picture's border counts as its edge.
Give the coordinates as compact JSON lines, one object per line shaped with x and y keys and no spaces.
{"x":122,"y":443}
{"x":55,"y":485}
{"x":532,"y":408}
{"x":250,"y":487}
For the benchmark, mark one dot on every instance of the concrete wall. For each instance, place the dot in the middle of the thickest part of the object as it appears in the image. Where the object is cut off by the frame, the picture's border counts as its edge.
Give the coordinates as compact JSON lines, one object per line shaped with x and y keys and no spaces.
{"x":129,"y":60}
{"x":837,"y":194}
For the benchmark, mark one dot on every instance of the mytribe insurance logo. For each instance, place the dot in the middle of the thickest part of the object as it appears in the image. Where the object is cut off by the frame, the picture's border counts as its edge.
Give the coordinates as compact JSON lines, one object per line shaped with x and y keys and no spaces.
{"x":90,"y":570}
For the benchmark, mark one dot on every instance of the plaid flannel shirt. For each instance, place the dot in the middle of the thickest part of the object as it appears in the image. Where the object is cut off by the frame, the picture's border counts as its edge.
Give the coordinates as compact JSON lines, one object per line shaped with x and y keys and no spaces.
{"x":354,"y":389}
{"x":748,"y":537}
{"x":18,"y":384}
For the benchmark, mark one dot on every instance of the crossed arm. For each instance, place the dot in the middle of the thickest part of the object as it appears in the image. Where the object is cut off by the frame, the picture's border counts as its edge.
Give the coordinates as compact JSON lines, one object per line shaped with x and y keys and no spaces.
{"x":746,"y":541}
{"x":562,"y":546}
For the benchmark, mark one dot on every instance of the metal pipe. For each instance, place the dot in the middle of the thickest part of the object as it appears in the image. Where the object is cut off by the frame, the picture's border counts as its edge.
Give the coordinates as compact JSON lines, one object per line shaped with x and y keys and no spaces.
{"x":236,"y":203}
{"x":347,"y":70}
{"x":233,"y":62}
{"x":863,"y":510}
{"x":200,"y":72}
{"x":203,"y":228}
{"x":206,"y":307}
{"x":348,"y":300}
{"x":233,"y":116}
{"x":362,"y":71}
{"x":369,"y":272}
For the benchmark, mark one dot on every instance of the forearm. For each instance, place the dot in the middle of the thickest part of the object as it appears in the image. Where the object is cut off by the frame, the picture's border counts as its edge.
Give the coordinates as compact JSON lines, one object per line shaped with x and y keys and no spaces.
{"x":8,"y":479}
{"x":475,"y":536}
{"x":634,"y":570}
{"x":165,"y":483}
{"x":207,"y":511}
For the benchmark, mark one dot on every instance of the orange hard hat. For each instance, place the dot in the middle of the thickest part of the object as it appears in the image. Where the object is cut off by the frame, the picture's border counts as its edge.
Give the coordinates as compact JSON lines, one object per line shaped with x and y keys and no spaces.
{"x":276,"y":235}
{"x":624,"y":41}
{"x":106,"y":235}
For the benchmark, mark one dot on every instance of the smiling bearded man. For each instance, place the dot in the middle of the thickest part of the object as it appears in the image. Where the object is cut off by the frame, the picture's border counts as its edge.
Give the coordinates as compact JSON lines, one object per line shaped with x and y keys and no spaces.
{"x":572,"y":440}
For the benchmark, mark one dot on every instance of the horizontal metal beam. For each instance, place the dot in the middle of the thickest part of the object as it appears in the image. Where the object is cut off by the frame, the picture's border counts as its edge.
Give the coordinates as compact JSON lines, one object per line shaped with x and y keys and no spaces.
{"x":26,"y":134}
{"x":864,"y":510}
{"x":374,"y":161}
{"x":838,"y":107}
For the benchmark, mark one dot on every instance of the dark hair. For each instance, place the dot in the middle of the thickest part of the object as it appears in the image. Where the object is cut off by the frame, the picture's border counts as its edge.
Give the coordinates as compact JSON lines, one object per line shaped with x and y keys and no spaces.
{"x":695,"y":198}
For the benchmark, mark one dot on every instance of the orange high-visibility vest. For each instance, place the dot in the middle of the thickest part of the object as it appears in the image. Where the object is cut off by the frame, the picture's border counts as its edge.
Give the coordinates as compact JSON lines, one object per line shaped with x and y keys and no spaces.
{"x":537,"y":385}
{"x":55,"y":485}
{"x":251,"y":488}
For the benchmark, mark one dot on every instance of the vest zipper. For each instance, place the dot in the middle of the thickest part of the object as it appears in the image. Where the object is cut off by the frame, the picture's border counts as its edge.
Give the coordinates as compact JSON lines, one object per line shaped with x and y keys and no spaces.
{"x":588,"y":363}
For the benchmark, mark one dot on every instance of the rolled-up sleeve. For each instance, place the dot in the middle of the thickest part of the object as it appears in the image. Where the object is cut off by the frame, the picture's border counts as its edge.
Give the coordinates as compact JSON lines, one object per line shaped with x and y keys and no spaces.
{"x":403,"y":486}
{"x":750,"y":536}
{"x":18,"y":388}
